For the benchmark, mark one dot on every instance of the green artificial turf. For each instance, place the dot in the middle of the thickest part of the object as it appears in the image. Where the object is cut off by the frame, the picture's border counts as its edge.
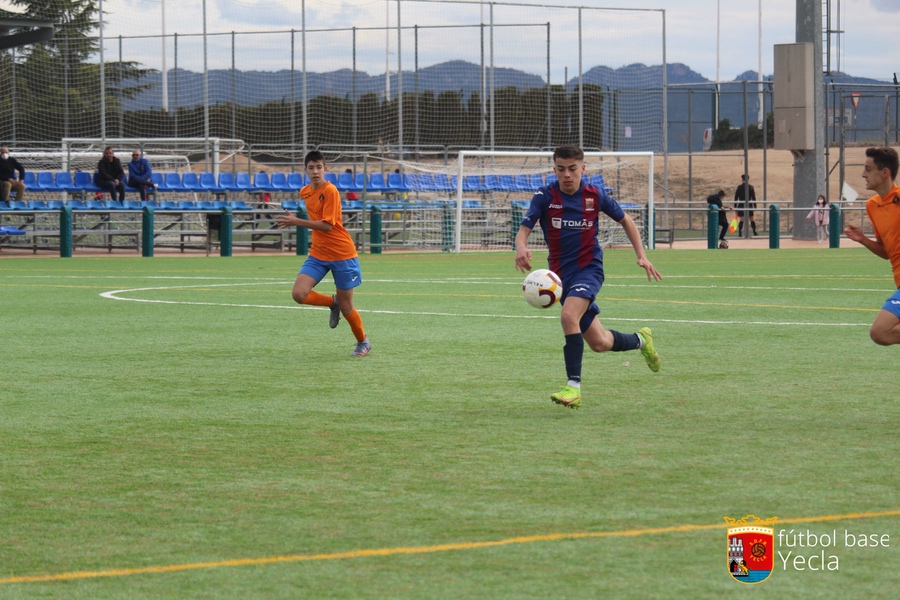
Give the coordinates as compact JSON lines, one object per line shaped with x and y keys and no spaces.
{"x":203,"y":417}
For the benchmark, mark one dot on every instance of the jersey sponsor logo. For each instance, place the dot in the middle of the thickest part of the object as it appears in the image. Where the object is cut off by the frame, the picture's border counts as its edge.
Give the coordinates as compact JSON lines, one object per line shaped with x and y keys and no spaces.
{"x":559,"y":223}
{"x":895,"y":301}
{"x":555,"y":205}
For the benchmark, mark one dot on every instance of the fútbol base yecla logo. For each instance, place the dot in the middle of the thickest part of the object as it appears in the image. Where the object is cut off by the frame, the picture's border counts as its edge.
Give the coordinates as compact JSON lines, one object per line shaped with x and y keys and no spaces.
{"x":751,"y":548}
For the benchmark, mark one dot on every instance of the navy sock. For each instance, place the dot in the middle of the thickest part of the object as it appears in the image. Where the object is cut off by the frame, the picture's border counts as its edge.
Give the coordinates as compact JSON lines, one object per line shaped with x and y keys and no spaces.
{"x":573,"y":352}
{"x":622,"y":342}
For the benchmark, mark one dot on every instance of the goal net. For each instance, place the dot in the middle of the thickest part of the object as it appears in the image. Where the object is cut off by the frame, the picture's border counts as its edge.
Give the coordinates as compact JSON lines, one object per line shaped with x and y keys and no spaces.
{"x":486,"y":193}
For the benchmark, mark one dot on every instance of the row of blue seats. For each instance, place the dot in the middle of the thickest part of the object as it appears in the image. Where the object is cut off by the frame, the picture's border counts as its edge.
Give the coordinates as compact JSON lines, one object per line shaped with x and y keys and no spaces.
{"x":291,"y":205}
{"x":241,"y":182}
{"x":14,"y":205}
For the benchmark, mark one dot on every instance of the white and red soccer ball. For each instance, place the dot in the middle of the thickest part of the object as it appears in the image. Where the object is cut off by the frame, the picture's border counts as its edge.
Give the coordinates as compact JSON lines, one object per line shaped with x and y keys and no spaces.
{"x":542,"y":288}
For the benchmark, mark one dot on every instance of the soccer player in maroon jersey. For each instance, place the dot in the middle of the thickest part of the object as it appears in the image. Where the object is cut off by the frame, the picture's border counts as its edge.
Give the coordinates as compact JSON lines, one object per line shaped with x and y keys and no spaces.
{"x":568,"y":211}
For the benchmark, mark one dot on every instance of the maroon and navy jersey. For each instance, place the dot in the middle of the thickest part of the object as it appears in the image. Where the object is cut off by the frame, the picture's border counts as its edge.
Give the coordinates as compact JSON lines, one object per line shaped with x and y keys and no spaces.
{"x":570,"y":224}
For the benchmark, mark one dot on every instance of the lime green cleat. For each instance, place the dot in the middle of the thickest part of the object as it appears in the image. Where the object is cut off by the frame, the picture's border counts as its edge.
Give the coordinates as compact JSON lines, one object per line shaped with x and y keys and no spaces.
{"x":647,"y":350}
{"x":570,"y":397}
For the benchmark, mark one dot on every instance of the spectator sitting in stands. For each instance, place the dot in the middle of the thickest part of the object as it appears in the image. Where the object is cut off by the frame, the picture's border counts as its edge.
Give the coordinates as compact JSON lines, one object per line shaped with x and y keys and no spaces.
{"x":8,"y":181}
{"x":139,"y":172}
{"x":110,"y":175}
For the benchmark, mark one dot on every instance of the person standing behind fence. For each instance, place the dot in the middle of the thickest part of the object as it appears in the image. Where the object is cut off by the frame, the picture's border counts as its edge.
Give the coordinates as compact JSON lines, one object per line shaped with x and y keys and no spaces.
{"x":332,"y":250}
{"x":8,"y":181}
{"x":745,"y":200}
{"x":820,"y":217}
{"x":883,"y":210}
{"x":139,"y":172}
{"x":718,"y":199}
{"x":110,"y":175}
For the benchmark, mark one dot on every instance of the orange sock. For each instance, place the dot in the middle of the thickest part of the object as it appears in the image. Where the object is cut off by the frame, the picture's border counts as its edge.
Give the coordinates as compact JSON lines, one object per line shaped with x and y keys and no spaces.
{"x":317,"y":299}
{"x":356,"y":325}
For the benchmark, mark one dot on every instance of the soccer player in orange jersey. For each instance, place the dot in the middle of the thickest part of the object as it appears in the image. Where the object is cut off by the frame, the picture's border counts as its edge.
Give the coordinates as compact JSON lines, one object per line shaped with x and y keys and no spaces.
{"x":883,"y":209}
{"x":332,"y":250}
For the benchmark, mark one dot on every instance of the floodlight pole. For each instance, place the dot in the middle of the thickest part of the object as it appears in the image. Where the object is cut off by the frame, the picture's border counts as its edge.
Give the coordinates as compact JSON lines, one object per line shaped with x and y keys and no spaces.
{"x":102,"y":80}
{"x":165,"y":69}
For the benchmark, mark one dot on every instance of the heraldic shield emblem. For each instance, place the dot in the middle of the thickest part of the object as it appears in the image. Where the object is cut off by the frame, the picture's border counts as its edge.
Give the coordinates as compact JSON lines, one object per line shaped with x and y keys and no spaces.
{"x":751,"y":548}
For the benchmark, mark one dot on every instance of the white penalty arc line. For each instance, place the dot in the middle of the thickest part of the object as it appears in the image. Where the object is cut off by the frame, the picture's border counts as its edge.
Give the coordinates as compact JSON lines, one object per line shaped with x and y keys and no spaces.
{"x":113,"y":295}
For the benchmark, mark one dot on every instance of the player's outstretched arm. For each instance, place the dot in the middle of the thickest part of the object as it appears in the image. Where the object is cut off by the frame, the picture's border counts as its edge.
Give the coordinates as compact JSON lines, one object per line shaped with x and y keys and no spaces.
{"x":288,"y":220}
{"x":875,"y":246}
{"x":634,"y":236}
{"x":523,"y":254}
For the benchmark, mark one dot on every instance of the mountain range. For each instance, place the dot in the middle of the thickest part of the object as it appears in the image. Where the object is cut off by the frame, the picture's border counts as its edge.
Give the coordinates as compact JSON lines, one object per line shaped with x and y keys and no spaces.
{"x":687,"y":88}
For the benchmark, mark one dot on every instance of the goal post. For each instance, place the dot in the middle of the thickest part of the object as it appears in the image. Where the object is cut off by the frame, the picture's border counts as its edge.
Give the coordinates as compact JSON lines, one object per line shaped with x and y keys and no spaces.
{"x":626,"y":176}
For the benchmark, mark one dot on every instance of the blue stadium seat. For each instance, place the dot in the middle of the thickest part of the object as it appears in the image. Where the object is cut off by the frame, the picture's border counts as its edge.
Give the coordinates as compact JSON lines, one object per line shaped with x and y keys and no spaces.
{"x":55,"y":204}
{"x":76,"y":204}
{"x":46,"y":182}
{"x":347,"y":183}
{"x":242,"y":182}
{"x":208,"y":184}
{"x":296,"y":181}
{"x":173,"y":183}
{"x":31,"y":182}
{"x":261,"y":182}
{"x":332,"y":178}
{"x":226,"y":181}
{"x":551,"y":178}
{"x":187,"y":205}
{"x":115,"y":205}
{"x":442,"y":183}
{"x":473,"y":183}
{"x":204,"y":205}
{"x":289,"y":205}
{"x":132,"y":205}
{"x":95,"y":205}
{"x":395,"y":182}
{"x":535,"y":181}
{"x":279,"y":182}
{"x":191,"y":182}
{"x":168,"y":205}
{"x":377,"y":183}
{"x":65,"y":183}
{"x":240,"y":205}
{"x":84,"y":183}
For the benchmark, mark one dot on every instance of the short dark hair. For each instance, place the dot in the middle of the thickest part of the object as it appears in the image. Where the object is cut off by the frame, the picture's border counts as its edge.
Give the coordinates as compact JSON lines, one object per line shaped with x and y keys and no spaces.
{"x":721,"y":193}
{"x":569,"y":153}
{"x":313,"y":156}
{"x":884,"y":158}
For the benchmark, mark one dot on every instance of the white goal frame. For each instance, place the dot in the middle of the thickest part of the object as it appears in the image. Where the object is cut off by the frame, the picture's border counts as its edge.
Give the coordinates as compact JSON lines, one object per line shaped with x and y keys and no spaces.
{"x":470,"y":154}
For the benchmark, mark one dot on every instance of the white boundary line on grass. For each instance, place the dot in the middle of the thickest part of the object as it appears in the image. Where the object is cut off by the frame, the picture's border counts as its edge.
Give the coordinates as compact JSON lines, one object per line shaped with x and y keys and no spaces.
{"x":114,"y":295}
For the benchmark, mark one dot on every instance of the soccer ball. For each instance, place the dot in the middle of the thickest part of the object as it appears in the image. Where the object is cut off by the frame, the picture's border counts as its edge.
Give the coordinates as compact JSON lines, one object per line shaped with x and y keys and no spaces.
{"x":542,"y":288}
{"x":723,"y":245}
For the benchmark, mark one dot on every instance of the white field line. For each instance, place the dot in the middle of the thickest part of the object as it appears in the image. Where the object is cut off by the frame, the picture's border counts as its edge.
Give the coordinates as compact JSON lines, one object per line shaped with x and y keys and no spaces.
{"x":115,"y":295}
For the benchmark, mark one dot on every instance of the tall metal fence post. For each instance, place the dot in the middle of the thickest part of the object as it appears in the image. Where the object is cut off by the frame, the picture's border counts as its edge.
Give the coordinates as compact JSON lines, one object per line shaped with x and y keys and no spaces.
{"x":65,"y":232}
{"x":302,"y":248}
{"x":774,"y":227}
{"x":515,"y":224}
{"x":712,"y":228}
{"x":447,"y":229}
{"x":147,"y":232}
{"x":226,"y":229}
{"x":834,"y":226}
{"x":375,"y":230}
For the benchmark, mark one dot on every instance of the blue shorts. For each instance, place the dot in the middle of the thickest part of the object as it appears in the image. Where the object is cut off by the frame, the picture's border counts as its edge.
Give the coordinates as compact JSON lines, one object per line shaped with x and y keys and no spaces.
{"x":892,"y":304}
{"x":347,"y":274}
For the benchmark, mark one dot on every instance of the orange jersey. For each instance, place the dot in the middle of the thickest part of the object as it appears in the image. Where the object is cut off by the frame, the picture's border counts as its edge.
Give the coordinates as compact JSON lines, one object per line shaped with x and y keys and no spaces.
{"x":324,"y":204}
{"x":885,"y":216}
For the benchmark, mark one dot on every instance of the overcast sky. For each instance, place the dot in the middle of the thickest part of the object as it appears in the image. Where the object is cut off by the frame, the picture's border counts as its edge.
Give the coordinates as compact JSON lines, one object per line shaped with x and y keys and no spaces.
{"x":868,"y":46}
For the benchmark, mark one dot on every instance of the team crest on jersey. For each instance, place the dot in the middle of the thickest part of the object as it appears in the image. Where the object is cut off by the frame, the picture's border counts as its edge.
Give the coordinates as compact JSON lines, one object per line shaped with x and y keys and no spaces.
{"x":751,"y":548}
{"x":588,"y":204}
